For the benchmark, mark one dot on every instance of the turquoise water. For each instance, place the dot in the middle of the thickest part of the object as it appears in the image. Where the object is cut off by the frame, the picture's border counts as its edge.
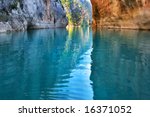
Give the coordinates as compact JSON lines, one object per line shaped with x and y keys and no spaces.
{"x":75,"y":64}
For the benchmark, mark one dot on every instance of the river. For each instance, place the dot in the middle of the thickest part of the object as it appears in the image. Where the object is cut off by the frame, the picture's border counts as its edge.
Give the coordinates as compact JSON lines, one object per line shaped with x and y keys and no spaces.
{"x":75,"y":64}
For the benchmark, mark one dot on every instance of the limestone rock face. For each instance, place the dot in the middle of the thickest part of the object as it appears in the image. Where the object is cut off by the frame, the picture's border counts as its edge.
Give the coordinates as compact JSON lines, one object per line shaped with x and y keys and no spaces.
{"x":23,"y":14}
{"x":45,"y":13}
{"x":133,"y":14}
{"x":5,"y":27}
{"x":87,"y":11}
{"x":79,"y":12}
{"x":58,"y":13}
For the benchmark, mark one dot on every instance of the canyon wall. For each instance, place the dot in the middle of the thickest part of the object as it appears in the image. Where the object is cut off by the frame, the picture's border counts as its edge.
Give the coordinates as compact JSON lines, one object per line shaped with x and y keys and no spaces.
{"x":130,"y":14}
{"x":79,"y":12}
{"x":16,"y":15}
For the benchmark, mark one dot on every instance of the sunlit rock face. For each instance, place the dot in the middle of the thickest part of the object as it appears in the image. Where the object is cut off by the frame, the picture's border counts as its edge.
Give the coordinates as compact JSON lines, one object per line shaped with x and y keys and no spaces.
{"x":132,"y":14}
{"x":79,"y":12}
{"x":23,"y":14}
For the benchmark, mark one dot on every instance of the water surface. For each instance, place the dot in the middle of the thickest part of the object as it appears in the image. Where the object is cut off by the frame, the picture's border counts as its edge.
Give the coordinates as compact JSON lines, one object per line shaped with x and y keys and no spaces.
{"x":79,"y":64}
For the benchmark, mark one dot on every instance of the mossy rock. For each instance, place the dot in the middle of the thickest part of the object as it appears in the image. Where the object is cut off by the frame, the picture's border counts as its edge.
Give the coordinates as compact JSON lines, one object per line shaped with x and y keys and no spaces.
{"x":14,"y":4}
{"x":4,"y":17}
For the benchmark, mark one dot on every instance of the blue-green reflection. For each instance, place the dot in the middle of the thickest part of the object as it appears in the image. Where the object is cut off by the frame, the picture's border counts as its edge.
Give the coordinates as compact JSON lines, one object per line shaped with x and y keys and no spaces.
{"x":46,"y":64}
{"x":121,"y":64}
{"x":75,"y":63}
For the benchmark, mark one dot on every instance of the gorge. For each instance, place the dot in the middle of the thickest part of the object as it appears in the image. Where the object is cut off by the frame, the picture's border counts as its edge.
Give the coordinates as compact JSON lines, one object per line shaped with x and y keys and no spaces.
{"x":83,"y":50}
{"x":18,"y":15}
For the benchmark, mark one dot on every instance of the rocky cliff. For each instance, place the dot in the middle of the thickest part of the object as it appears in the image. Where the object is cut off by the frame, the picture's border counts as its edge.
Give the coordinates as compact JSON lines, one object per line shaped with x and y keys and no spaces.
{"x":18,"y":15}
{"x":79,"y":12}
{"x":131,"y":14}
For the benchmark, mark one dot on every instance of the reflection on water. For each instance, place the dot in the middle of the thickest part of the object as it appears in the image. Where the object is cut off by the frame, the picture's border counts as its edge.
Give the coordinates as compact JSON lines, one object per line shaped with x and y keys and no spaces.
{"x":75,"y":64}
{"x":46,"y":64}
{"x":121,"y":64}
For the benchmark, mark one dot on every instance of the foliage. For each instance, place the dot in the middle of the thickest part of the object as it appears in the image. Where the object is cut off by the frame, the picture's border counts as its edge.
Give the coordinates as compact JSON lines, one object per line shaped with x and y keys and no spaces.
{"x":3,"y":16}
{"x":14,"y":4}
{"x":75,"y":11}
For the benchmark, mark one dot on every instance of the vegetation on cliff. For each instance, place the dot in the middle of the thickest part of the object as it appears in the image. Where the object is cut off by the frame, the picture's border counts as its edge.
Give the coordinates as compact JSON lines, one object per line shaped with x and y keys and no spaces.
{"x":24,"y":14}
{"x":78,"y":12}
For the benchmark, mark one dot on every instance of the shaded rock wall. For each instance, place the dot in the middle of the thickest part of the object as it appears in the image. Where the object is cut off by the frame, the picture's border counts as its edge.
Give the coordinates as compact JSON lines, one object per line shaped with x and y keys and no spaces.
{"x":22,"y":14}
{"x":132,"y":14}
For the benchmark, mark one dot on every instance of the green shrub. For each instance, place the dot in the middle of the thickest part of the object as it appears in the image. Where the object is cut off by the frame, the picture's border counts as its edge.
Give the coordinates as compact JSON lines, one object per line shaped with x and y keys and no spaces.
{"x":14,"y":5}
{"x":4,"y":17}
